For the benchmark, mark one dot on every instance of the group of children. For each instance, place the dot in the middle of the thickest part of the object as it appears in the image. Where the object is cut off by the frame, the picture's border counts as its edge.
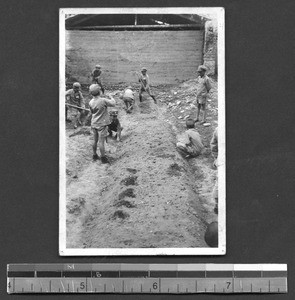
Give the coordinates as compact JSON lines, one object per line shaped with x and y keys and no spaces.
{"x":104,"y":123}
{"x":191,"y":144}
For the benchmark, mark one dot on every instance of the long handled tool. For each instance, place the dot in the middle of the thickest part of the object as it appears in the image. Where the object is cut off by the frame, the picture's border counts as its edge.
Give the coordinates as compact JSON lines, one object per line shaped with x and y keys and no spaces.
{"x":71,"y":105}
{"x":143,"y":85}
{"x":140,"y":79}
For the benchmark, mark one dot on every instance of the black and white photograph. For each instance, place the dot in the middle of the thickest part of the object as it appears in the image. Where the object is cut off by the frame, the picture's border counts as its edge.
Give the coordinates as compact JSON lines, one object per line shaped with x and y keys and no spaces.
{"x":142,"y":131}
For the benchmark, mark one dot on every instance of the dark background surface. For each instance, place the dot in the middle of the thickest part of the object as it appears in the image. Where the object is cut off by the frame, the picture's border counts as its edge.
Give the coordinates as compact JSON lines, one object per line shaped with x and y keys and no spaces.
{"x":260,"y":138}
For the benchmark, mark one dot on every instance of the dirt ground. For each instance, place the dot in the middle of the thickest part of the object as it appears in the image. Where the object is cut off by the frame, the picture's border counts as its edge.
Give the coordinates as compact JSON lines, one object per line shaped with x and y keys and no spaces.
{"x":149,"y":196}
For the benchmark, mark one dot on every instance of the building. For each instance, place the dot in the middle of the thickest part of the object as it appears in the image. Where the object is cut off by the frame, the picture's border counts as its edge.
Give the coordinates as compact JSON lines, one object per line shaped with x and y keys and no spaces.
{"x":170,"y":46}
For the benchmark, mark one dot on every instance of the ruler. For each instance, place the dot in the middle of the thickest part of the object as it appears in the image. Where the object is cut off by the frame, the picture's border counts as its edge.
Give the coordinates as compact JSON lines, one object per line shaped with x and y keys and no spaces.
{"x":146,"y":278}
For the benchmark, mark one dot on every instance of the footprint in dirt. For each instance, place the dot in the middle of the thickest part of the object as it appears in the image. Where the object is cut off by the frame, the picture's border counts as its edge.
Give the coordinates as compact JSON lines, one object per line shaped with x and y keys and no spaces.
{"x":127,"y":193}
{"x":130,"y":180}
{"x":120,"y":214}
{"x":125,"y":203}
{"x":133,"y":171}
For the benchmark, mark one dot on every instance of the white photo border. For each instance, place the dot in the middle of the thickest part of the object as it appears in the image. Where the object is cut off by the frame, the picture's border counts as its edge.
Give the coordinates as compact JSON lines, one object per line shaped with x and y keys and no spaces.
{"x":221,"y":249}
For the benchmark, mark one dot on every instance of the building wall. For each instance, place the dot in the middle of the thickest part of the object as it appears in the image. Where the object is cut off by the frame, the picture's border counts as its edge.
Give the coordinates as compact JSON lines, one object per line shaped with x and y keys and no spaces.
{"x":169,"y":56}
{"x":210,"y":47}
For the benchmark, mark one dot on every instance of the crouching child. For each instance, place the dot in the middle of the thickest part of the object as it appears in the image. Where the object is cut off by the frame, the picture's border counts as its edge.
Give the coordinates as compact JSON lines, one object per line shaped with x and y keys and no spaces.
{"x":128,"y":98}
{"x":115,"y":125}
{"x":192,"y":145}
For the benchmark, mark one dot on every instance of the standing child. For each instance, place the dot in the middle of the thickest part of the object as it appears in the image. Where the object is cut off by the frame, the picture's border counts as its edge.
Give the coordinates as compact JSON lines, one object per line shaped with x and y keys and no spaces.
{"x":203,"y":88}
{"x":96,"y":77}
{"x":100,"y":120}
{"x":145,"y":85}
{"x":128,"y":98}
{"x":75,"y":97}
{"x":191,"y":145}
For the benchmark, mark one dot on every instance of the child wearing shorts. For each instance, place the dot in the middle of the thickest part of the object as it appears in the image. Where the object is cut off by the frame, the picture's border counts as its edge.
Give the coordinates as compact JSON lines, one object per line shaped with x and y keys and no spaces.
{"x":203,"y":88}
{"x":99,"y":121}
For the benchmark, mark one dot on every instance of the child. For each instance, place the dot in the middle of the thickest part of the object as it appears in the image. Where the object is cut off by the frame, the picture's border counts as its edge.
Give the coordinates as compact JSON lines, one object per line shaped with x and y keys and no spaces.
{"x":145,"y":84}
{"x":96,"y":77}
{"x":75,"y":97}
{"x":100,"y":120}
{"x":203,"y":88}
{"x":192,"y":145}
{"x":115,"y":125}
{"x":128,"y":98}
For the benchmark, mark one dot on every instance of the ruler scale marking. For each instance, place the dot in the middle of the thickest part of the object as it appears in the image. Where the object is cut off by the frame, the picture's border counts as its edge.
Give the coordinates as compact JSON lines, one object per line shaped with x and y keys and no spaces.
{"x":147,"y":278}
{"x":233,"y":282}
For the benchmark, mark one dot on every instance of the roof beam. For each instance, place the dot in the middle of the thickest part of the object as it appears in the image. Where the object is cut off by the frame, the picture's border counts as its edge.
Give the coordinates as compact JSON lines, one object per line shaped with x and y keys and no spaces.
{"x":80,"y":20}
{"x":139,"y":27}
{"x":194,"y":18}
